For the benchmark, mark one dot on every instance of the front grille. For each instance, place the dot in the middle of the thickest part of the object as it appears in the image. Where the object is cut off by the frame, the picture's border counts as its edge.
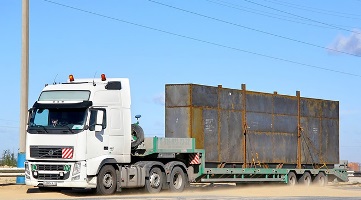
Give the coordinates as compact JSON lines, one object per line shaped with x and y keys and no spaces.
{"x":38,"y":171}
{"x":45,"y":152}
{"x":50,"y":167}
{"x":50,"y":177}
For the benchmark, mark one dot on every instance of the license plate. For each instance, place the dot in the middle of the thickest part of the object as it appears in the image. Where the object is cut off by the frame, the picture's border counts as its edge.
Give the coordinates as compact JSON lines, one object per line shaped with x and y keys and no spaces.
{"x":49,"y":183}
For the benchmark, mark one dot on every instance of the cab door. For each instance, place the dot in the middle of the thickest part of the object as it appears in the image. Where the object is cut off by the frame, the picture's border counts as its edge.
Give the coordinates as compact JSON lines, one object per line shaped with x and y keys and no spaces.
{"x":97,"y":138}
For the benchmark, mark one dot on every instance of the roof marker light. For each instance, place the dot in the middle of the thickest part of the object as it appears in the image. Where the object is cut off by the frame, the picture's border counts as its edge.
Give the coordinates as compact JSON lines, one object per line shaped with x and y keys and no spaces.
{"x":71,"y":77}
{"x":103,"y":77}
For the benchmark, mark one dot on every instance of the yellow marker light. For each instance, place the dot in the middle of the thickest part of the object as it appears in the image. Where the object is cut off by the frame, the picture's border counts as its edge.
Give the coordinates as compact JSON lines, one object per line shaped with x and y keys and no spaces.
{"x":71,"y":77}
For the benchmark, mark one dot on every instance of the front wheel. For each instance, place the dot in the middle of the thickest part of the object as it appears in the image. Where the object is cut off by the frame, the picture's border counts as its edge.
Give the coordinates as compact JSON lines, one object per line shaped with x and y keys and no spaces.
{"x":106,"y":181}
{"x":177,"y":180}
{"x":154,"y":183}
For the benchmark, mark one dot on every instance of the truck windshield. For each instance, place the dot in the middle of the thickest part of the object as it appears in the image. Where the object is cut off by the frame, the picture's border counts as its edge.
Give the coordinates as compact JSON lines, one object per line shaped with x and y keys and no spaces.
{"x":57,"y":120}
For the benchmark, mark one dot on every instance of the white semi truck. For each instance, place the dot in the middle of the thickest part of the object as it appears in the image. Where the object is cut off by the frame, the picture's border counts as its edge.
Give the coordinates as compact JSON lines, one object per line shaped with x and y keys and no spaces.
{"x":80,"y":135}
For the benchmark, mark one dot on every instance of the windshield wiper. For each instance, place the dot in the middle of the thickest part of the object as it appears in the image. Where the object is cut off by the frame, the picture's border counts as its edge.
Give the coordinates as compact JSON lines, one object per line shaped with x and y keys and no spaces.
{"x":42,"y":127}
{"x":68,"y":128}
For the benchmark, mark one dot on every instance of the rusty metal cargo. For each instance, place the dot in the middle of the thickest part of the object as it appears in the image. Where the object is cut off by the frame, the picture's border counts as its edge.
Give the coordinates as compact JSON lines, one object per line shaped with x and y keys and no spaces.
{"x":241,"y":127}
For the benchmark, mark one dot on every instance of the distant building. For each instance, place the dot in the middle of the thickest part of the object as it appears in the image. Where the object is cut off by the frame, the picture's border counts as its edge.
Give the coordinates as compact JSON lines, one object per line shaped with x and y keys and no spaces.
{"x":354,"y":166}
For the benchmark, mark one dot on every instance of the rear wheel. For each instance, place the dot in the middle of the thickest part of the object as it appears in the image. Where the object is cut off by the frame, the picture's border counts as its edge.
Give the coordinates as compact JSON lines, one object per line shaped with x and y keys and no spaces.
{"x":177,"y":180}
{"x":153,"y":184}
{"x":306,"y":179}
{"x":106,"y":181}
{"x":321,"y":179}
{"x":291,"y":179}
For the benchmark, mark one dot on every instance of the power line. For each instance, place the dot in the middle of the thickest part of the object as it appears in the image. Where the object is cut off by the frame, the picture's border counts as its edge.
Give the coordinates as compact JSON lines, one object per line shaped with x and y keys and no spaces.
{"x":309,"y":19}
{"x":254,"y":11}
{"x":271,"y":15}
{"x":316,"y":10}
{"x":206,"y":42}
{"x":253,"y":29}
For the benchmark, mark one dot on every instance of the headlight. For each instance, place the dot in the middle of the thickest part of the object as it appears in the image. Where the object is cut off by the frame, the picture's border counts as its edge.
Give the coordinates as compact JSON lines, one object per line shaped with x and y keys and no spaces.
{"x":27,"y":170}
{"x":77,"y":167}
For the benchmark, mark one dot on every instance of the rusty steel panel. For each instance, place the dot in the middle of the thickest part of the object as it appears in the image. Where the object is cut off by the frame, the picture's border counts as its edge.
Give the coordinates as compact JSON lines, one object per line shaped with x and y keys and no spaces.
{"x":214,"y":117}
{"x":205,"y":96}
{"x":311,"y":107}
{"x":285,"y":105}
{"x":197,"y":127}
{"x":310,"y":138}
{"x":231,"y":99}
{"x":177,"y":122}
{"x":210,"y":120}
{"x":260,"y":147}
{"x":259,"y":122}
{"x":284,"y":124}
{"x":231,"y":137}
{"x":331,"y":140}
{"x":330,"y":109}
{"x":177,"y":95}
{"x":259,"y":102}
{"x":285,"y":150}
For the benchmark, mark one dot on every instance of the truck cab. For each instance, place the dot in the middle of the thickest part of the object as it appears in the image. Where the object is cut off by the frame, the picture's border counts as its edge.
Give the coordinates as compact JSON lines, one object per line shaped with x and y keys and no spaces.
{"x":75,"y":128}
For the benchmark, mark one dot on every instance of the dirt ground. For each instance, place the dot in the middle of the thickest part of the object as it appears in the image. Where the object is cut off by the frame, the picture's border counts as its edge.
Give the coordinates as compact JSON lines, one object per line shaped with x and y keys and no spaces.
{"x":9,"y":190}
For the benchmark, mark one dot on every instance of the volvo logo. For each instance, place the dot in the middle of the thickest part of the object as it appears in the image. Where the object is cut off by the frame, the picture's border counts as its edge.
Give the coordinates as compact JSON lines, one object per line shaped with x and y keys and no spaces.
{"x":51,"y":152}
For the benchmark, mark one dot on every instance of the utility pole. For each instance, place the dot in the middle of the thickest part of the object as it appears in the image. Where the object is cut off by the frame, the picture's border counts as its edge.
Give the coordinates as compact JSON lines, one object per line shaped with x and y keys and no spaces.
{"x":24,"y":87}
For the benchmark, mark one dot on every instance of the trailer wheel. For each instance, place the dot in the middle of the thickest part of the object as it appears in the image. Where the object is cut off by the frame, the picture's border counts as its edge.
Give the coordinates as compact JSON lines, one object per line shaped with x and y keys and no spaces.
{"x":177,"y":180}
{"x":106,"y":181}
{"x":153,"y":184}
{"x":321,"y":179}
{"x":291,"y":179}
{"x":306,"y":179}
{"x":137,"y":135}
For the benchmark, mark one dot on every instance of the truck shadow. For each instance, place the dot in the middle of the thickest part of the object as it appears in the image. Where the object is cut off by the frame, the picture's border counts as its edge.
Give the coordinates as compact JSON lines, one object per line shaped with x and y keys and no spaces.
{"x":141,"y":192}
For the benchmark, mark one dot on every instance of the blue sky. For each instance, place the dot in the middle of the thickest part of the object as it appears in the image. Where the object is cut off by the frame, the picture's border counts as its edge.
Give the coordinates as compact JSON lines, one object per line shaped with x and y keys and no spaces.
{"x":202,"y":42}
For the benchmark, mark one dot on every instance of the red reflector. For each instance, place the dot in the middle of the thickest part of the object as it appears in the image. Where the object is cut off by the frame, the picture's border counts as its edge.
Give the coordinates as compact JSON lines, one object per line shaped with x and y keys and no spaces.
{"x":103,"y":77}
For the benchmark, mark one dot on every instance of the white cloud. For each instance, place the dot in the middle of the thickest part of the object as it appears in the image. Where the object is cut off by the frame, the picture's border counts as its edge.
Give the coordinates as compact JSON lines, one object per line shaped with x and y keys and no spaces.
{"x":159,"y":99}
{"x":350,"y":44}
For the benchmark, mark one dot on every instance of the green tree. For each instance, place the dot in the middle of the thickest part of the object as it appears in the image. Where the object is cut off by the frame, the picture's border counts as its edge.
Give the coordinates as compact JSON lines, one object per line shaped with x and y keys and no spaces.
{"x":8,"y":158}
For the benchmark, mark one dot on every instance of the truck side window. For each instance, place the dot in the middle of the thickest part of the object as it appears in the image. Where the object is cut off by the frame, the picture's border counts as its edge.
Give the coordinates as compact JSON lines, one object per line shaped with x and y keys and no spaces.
{"x":93,"y":119}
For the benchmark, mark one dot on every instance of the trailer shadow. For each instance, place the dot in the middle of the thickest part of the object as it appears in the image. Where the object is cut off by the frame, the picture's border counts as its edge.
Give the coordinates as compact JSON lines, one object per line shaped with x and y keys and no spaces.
{"x":199,"y":187}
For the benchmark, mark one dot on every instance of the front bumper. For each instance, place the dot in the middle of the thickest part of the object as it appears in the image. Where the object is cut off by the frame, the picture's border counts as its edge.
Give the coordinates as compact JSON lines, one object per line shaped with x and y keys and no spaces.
{"x":58,"y":174}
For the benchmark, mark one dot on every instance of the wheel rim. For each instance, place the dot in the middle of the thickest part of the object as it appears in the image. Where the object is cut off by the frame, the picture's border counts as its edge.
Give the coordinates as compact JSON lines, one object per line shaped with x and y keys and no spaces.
{"x":321,"y":181}
{"x":308,"y":180}
{"x":108,"y":180}
{"x":154,"y":180}
{"x":292,"y":180}
{"x":177,"y":181}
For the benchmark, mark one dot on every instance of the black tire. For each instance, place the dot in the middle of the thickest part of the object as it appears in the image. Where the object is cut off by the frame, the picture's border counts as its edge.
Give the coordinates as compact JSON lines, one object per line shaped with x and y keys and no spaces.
{"x":106,"y":181}
{"x":177,"y":180}
{"x":292,"y":179}
{"x":305,"y":179}
{"x":321,"y":179}
{"x":154,"y":183}
{"x":138,"y":135}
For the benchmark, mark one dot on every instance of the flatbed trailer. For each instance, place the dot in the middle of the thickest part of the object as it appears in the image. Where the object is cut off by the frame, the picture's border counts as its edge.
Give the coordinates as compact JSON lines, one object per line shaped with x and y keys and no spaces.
{"x":181,"y":149}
